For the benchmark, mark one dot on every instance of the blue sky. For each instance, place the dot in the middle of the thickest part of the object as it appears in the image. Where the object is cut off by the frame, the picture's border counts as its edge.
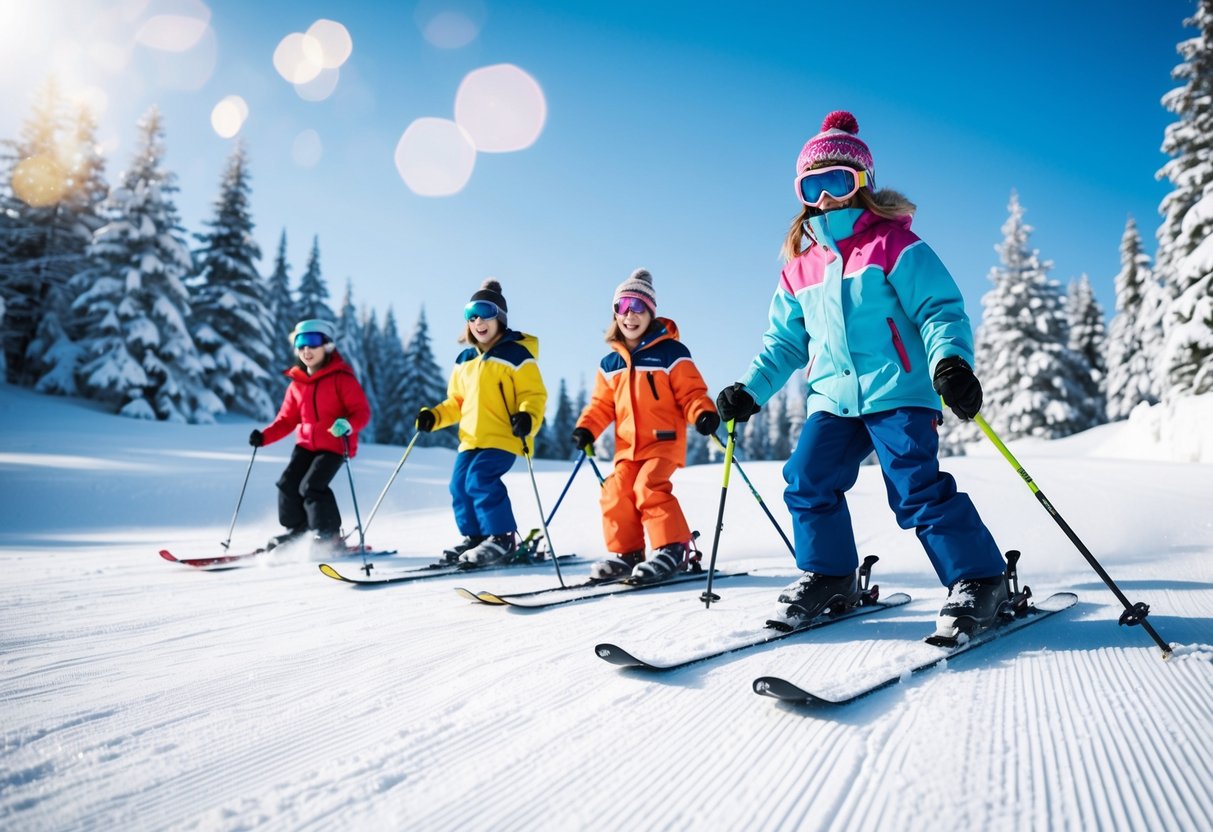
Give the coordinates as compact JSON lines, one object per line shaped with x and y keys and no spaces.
{"x":670,"y":140}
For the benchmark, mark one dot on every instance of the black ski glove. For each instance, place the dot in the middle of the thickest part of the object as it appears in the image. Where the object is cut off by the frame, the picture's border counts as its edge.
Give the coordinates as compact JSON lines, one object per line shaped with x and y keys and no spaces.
{"x":520,"y":424}
{"x":707,"y":423}
{"x":426,"y":420}
{"x":735,"y":403}
{"x":256,"y":439}
{"x":582,"y":438}
{"x":960,"y":389}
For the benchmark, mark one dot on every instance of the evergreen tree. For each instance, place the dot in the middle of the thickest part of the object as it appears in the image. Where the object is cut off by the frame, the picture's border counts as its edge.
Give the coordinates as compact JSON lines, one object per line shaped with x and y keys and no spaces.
{"x":423,"y":385}
{"x":282,"y":317}
{"x":797,"y":408}
{"x":754,"y":435}
{"x":1131,"y":373}
{"x":53,"y":183}
{"x":232,"y":326}
{"x":560,"y":427}
{"x":1028,"y":371}
{"x":312,"y":300}
{"x":1185,"y":251}
{"x":138,"y":351}
{"x":388,"y":366}
{"x":352,"y":346}
{"x":779,"y":446}
{"x":1088,"y":338}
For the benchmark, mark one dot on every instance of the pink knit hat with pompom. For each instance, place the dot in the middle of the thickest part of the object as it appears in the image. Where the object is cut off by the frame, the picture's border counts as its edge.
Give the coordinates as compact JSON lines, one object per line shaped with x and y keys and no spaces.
{"x":837,"y":142}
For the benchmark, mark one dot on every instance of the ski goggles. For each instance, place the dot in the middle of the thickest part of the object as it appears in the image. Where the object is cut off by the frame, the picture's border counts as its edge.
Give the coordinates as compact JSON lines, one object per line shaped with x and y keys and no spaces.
{"x":838,"y":182}
{"x":625,"y":305}
{"x":310,"y":339}
{"x":485,"y":310}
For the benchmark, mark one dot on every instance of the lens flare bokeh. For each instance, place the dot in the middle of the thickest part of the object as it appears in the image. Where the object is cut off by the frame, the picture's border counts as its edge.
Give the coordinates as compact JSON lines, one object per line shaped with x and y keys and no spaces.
{"x":435,"y":157}
{"x":229,"y":115}
{"x":40,"y":181}
{"x":501,"y":107}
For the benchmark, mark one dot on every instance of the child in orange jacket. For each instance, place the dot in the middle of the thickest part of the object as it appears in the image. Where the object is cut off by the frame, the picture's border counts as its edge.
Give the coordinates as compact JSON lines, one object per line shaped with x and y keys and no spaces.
{"x":650,"y":388}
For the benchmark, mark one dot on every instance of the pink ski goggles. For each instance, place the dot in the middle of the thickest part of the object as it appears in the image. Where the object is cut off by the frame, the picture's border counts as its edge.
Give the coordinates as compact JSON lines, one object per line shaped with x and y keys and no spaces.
{"x":625,"y":305}
{"x":838,"y":182}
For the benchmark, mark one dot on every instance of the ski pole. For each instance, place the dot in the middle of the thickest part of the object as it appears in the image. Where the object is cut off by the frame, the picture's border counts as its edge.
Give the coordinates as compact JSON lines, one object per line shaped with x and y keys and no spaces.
{"x":390,"y":480}
{"x":526,"y":452}
{"x":590,"y":456}
{"x":1134,"y":613}
{"x":225,"y":544}
{"x":731,"y":427}
{"x":573,"y":475}
{"x":758,"y":497}
{"x":345,"y":439}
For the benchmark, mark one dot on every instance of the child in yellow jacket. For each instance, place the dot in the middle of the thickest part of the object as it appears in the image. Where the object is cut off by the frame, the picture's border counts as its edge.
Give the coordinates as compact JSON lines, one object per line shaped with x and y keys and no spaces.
{"x":650,"y":388}
{"x":497,"y":397}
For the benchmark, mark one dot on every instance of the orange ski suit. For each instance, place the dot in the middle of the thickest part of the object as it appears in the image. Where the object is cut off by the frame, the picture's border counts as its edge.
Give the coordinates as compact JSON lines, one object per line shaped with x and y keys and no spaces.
{"x":650,"y":394}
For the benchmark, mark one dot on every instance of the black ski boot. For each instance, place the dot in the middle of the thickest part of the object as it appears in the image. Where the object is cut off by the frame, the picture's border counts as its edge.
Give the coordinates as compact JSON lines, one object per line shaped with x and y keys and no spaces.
{"x":289,"y":536}
{"x":452,"y":554}
{"x":973,"y":605}
{"x":813,"y":595}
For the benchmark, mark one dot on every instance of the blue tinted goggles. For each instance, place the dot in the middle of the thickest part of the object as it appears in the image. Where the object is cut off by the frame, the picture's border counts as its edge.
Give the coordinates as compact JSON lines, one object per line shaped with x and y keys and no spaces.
{"x":839,"y":182}
{"x":485,"y":310}
{"x":310,"y":339}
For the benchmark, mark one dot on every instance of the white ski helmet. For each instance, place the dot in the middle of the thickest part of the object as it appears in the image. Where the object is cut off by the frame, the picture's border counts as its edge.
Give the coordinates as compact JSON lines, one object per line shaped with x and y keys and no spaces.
{"x":325,"y":328}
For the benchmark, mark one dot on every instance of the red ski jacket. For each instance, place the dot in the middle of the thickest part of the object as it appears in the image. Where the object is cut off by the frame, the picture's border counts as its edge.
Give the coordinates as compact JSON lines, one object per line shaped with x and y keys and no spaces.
{"x":313,"y":402}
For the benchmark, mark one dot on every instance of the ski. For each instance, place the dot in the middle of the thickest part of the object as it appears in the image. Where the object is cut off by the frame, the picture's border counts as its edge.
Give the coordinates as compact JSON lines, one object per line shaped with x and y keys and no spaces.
{"x":437,"y":570}
{"x":222,"y":560}
{"x":934,"y":655}
{"x":745,"y":640}
{"x":557,"y":595}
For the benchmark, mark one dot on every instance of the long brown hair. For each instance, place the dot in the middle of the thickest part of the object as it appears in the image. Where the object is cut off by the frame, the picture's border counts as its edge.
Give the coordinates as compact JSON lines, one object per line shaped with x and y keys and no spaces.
{"x":885,"y":203}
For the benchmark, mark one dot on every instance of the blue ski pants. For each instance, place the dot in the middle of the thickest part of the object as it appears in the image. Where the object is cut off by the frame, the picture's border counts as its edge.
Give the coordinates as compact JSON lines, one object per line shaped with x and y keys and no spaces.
{"x":826,"y":464}
{"x":479,"y":497}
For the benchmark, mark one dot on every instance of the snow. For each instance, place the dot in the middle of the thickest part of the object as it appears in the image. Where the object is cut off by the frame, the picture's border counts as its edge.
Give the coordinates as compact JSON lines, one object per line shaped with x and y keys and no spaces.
{"x":139,"y":694}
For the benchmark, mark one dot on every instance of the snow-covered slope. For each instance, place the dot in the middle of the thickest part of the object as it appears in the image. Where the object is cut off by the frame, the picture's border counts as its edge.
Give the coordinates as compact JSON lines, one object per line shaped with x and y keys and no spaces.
{"x":138,"y":694}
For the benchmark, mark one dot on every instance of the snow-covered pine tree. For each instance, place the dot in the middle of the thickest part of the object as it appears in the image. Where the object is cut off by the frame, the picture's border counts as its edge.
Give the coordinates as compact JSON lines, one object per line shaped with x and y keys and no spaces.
{"x":48,"y":210}
{"x":1088,"y":338}
{"x":560,"y":427}
{"x":138,"y":352}
{"x":1131,"y":373}
{"x":1184,"y":261}
{"x":1028,"y":372}
{"x":796,"y":408}
{"x":754,"y":435}
{"x":282,"y":317}
{"x":385,"y":363}
{"x":698,"y":452}
{"x":311,"y":303}
{"x":352,"y":346}
{"x":54,"y":355}
{"x":232,"y":326}
{"x":779,"y":447}
{"x":424,"y":385}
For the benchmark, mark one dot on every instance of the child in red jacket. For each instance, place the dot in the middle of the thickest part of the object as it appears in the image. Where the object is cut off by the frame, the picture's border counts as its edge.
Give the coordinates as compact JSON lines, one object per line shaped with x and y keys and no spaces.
{"x":650,"y":388}
{"x":326,"y":407}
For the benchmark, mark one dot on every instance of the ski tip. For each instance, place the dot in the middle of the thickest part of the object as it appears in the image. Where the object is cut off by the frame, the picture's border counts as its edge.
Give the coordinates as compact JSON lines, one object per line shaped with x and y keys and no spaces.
{"x":330,"y":572}
{"x":466,"y":593}
{"x":781,"y":689}
{"x":616,"y":655}
{"x":490,"y":598}
{"x":167,"y":555}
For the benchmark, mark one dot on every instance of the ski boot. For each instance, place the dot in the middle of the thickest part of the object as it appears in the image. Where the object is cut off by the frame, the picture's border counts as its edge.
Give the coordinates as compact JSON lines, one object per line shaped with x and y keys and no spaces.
{"x":976,"y":604}
{"x":616,"y":567}
{"x":666,"y":562}
{"x":452,"y":554}
{"x":489,"y":551}
{"x":287,"y":537}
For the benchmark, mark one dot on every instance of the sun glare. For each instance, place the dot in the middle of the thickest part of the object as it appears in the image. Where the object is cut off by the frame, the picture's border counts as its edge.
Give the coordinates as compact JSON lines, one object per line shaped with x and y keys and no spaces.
{"x":435,"y":157}
{"x":501,"y":107}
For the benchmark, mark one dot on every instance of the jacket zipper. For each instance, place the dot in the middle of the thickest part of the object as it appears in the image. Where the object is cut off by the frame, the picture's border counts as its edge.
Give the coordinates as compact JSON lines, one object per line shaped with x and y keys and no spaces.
{"x":653,"y":386}
{"x":899,"y":345}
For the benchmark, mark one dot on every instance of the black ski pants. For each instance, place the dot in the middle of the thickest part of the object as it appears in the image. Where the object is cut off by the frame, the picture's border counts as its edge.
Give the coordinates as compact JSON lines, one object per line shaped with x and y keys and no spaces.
{"x":304,"y":497}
